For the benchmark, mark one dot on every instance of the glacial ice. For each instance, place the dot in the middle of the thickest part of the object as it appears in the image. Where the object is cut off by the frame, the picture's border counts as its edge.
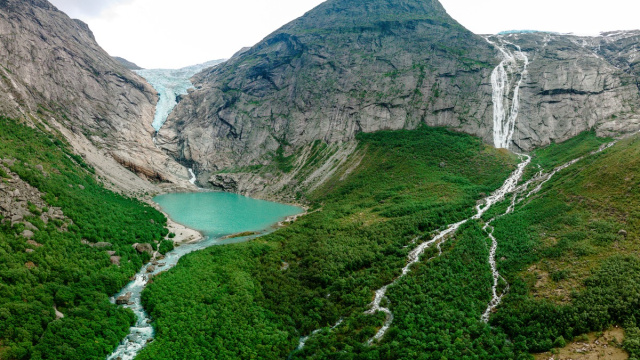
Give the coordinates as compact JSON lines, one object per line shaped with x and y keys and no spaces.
{"x":171,"y":83}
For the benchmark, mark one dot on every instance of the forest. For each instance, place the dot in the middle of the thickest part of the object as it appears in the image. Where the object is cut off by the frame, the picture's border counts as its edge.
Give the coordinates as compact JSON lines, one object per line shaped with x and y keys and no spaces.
{"x":64,"y":271}
{"x":569,"y":254}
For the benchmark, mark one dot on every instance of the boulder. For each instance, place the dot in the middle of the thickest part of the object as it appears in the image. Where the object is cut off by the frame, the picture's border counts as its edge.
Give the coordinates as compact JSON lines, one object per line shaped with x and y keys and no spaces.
{"x":30,"y":226}
{"x":142,"y":248}
{"x":151,"y":269}
{"x":124,"y":299}
{"x":623,"y":233}
{"x":101,"y":245}
{"x":33,"y":243}
{"x":28,"y":234}
{"x":115,"y":260}
{"x":30,"y":265}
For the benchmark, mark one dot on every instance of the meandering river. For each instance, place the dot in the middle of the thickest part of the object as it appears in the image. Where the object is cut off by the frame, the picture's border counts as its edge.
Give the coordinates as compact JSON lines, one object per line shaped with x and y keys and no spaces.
{"x":214,"y":214}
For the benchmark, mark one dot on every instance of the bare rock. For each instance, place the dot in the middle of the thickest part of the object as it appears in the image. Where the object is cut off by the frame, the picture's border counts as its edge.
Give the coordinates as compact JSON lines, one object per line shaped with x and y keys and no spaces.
{"x":622,"y":233}
{"x":30,"y":265}
{"x":30,"y":226}
{"x":33,"y":243}
{"x":151,"y":268}
{"x":27,"y":234}
{"x":144,"y":248}
{"x":101,"y":245}
{"x":124,"y":299}
{"x":115,"y":260}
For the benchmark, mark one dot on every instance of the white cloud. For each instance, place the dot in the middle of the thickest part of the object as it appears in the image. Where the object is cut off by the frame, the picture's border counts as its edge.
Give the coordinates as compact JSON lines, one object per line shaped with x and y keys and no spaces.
{"x":170,"y":33}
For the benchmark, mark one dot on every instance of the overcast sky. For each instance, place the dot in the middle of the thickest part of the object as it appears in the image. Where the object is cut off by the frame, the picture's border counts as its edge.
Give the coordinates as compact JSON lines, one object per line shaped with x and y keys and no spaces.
{"x":173,"y":34}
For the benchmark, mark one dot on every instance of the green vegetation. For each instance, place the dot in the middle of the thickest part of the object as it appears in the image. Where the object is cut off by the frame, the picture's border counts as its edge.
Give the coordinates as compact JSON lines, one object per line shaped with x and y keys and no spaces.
{"x":582,"y":231}
{"x":75,"y":278}
{"x":556,"y":154}
{"x":255,"y":299}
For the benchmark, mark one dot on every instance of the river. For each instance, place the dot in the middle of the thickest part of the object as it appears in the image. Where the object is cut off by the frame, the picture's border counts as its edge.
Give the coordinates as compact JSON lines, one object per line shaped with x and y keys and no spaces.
{"x":216,"y":215}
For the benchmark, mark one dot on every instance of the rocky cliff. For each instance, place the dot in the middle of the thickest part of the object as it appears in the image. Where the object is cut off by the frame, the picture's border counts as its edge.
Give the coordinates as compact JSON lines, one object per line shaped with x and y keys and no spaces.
{"x":53,"y":71}
{"x":343,"y":68}
{"x":360,"y":66}
{"x":573,"y":84}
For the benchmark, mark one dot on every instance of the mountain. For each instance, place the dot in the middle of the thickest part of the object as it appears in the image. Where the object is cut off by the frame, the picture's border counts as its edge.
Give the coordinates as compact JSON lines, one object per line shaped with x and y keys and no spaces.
{"x":126,"y":63}
{"x":360,"y":66}
{"x":53,"y":72}
{"x":343,"y":68}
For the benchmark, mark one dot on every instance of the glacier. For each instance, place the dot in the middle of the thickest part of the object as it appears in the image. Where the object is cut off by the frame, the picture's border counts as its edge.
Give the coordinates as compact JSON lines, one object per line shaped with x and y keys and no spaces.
{"x":171,"y":83}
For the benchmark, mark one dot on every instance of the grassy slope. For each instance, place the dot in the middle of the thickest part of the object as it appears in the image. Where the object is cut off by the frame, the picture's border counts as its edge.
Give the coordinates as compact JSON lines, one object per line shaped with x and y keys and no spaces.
{"x":572,"y":270}
{"x":238,"y":301}
{"x":74,"y":277}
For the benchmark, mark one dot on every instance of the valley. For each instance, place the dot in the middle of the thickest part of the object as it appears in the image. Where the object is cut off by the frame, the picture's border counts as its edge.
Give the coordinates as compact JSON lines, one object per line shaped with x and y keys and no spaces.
{"x":370,"y":181}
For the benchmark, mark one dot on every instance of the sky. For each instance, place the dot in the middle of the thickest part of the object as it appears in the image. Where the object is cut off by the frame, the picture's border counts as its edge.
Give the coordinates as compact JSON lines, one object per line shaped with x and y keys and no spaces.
{"x":174,"y":34}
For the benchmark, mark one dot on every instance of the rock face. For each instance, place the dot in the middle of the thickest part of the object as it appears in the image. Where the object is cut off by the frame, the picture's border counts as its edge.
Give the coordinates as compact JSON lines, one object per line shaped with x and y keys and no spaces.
{"x":126,"y":63}
{"x":346,"y":66}
{"x":352,"y":66}
{"x":572,"y":85}
{"x":53,"y":71}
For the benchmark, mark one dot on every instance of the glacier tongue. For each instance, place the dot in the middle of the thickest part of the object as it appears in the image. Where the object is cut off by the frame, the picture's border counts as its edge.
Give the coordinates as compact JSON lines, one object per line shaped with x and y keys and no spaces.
{"x":171,"y":83}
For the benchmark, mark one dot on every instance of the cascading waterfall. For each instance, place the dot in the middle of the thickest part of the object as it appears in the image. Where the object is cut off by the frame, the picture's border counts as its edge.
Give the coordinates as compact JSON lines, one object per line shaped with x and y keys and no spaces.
{"x":414,"y":256}
{"x":540,"y":179}
{"x":193,"y":177}
{"x":504,"y":121}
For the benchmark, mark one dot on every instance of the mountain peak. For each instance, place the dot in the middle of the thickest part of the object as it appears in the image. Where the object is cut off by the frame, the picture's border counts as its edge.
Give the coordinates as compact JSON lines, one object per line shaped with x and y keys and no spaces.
{"x":357,"y":13}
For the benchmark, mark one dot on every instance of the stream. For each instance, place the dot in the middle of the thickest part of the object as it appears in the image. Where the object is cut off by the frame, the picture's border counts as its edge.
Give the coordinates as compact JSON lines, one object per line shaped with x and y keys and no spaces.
{"x":215,"y":214}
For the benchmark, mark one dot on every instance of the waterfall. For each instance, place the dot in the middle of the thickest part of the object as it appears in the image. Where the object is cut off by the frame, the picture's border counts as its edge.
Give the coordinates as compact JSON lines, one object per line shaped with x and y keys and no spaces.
{"x":505,"y":116}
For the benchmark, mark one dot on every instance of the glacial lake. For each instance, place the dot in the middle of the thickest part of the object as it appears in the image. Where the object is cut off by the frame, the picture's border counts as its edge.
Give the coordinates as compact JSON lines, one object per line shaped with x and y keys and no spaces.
{"x":214,"y":214}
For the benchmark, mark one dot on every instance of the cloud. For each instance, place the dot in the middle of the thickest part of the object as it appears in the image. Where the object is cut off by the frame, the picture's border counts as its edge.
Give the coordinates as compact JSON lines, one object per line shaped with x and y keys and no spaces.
{"x":86,"y":9}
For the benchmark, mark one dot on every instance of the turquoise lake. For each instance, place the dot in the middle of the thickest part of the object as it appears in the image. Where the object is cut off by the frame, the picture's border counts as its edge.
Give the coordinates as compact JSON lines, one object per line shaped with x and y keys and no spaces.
{"x":217,"y":214}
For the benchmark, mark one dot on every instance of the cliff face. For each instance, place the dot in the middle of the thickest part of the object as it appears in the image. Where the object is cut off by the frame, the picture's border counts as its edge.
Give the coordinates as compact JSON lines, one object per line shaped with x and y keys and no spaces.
{"x":343,"y":68}
{"x":52,"y":70}
{"x":574,"y":84}
{"x":360,"y":66}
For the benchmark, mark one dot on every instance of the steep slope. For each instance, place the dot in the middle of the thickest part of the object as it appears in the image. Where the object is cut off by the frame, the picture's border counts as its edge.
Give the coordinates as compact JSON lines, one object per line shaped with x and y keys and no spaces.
{"x":343,"y":68}
{"x":54,"y":71}
{"x":568,"y":88}
{"x":360,"y":66}
{"x":126,"y":63}
{"x":65,"y":248}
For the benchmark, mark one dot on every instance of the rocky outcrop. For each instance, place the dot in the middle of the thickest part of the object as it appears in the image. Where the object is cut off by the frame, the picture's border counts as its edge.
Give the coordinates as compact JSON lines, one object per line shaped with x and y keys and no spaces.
{"x":52,"y":71}
{"x":126,"y":63}
{"x":15,"y":197}
{"x":360,"y":66}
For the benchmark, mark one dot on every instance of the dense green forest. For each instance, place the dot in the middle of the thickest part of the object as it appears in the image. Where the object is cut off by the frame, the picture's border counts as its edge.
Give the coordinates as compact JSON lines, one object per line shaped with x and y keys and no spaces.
{"x":254,"y":300}
{"x":569,"y":254}
{"x":65,"y":272}
{"x":570,"y":268}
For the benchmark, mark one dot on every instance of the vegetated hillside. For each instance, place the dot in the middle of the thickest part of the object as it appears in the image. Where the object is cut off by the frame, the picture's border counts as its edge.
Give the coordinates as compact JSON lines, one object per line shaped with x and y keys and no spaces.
{"x":569,"y":254}
{"x":359,"y":66}
{"x":65,"y":247}
{"x":256,"y":299}
{"x":51,"y":68}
